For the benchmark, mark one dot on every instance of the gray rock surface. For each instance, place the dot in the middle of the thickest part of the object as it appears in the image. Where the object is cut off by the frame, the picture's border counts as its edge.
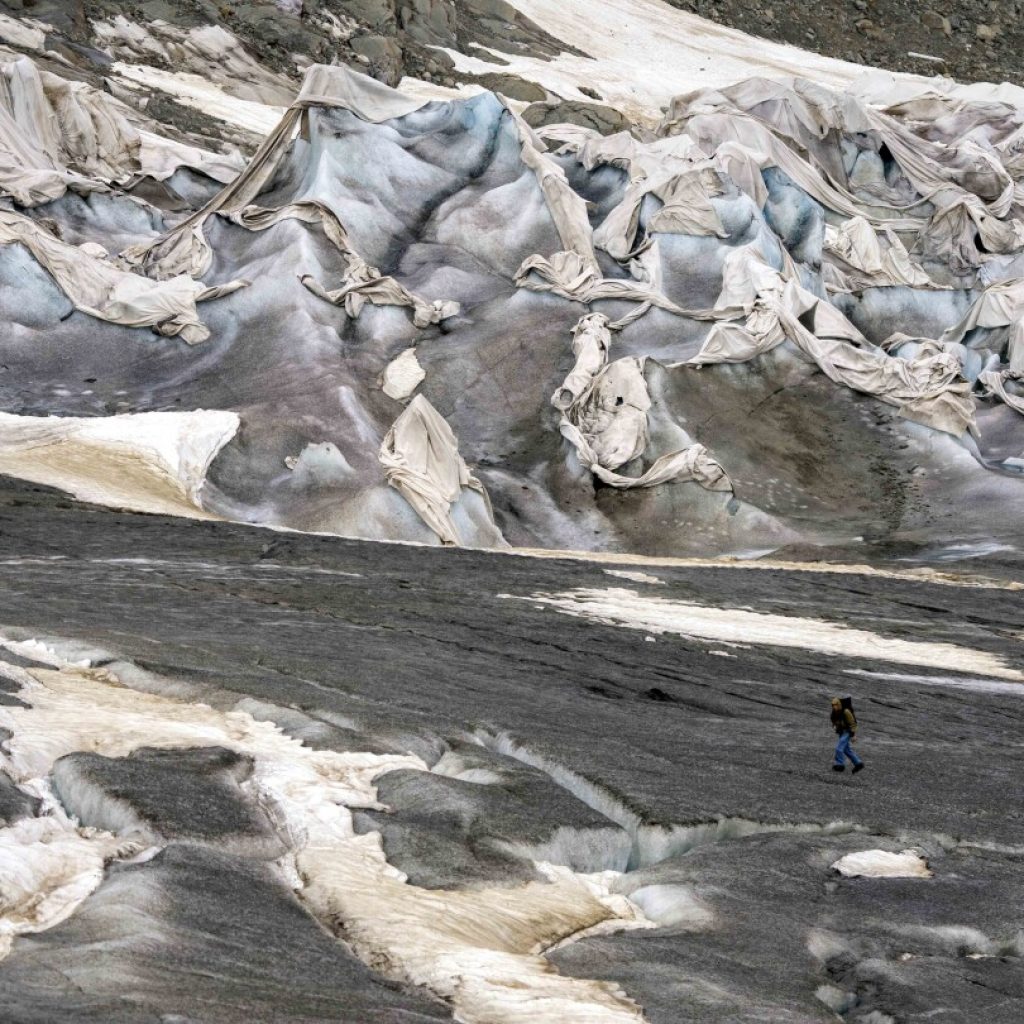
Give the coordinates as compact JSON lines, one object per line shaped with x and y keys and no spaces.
{"x":894,"y":32}
{"x":604,"y":119}
{"x":169,"y":796}
{"x":14,"y":804}
{"x":817,"y":943}
{"x":488,"y":823}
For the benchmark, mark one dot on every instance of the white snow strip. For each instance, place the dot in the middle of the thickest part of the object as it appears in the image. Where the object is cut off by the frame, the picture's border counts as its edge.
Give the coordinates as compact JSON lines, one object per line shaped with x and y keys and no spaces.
{"x":634,"y":576}
{"x":147,"y":462}
{"x":656,"y":615}
{"x":431,"y":92}
{"x":955,"y":682}
{"x":48,"y":864}
{"x":882,"y":864}
{"x":480,"y":948}
{"x":201,"y":94}
{"x":960,"y":940}
{"x":920,"y":574}
{"x":644,"y":52}
{"x":209,"y":52}
{"x":40,"y":651}
{"x":641,"y":53}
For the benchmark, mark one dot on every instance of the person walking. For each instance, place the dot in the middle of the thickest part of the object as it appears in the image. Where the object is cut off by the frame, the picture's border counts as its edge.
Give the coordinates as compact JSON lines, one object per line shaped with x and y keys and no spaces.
{"x":844,"y":721}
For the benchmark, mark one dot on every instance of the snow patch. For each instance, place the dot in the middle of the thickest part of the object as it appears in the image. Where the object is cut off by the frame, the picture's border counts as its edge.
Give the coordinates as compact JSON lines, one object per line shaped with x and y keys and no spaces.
{"x":919,"y":574}
{"x":673,"y":906}
{"x":430,"y":92}
{"x":634,"y":576}
{"x":48,"y":866}
{"x":146,"y":462}
{"x":883,"y":864}
{"x":23,"y":32}
{"x":583,"y":850}
{"x":319,"y":465}
{"x":642,"y":53}
{"x":962,"y":940}
{"x":955,"y":682}
{"x":657,"y":843}
{"x":835,"y":998}
{"x":202,"y":94}
{"x":615,"y":607}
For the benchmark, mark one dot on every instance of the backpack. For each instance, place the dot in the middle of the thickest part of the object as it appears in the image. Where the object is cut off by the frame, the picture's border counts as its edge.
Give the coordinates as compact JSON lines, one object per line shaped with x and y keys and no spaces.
{"x":847,"y":703}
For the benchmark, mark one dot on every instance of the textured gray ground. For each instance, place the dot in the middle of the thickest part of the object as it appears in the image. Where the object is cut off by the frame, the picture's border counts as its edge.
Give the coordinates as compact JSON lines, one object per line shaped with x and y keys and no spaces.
{"x":368,"y":646}
{"x":169,"y":796}
{"x":196,"y":935}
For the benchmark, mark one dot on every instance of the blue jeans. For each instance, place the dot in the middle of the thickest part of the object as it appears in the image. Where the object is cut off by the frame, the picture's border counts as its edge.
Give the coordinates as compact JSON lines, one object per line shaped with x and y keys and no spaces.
{"x":844,"y":750}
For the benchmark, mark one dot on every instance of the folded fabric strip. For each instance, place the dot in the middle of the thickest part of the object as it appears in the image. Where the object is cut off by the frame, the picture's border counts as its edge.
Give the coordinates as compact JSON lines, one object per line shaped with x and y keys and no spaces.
{"x":100,"y":288}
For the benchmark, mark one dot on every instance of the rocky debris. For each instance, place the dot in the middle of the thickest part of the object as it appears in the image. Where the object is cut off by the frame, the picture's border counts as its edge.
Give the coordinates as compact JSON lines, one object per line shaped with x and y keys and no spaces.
{"x":598,"y":116}
{"x":387,"y":39}
{"x":391,"y":39}
{"x":939,"y":22}
{"x":511,"y":86}
{"x":977,"y":40}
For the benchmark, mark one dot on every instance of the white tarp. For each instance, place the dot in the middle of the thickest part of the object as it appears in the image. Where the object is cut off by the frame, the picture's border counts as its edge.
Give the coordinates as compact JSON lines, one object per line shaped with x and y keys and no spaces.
{"x":950,"y":193}
{"x":363,"y":283}
{"x":673,"y":169}
{"x":996,"y":384}
{"x":421,"y":460}
{"x":604,"y":416}
{"x":56,"y":134}
{"x":928,"y":388}
{"x":98,"y":287}
{"x":402,"y":376}
{"x":568,"y":210}
{"x":865,"y":263}
{"x":569,"y":275}
{"x":999,"y":306}
{"x":184,"y":250}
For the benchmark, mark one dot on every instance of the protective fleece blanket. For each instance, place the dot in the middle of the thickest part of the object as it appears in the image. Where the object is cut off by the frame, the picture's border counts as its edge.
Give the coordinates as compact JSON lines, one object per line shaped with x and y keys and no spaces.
{"x":788,"y":315}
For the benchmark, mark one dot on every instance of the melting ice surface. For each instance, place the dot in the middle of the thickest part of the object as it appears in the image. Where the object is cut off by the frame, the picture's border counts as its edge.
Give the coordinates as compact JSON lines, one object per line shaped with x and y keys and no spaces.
{"x":477,"y":948}
{"x":620,"y":607}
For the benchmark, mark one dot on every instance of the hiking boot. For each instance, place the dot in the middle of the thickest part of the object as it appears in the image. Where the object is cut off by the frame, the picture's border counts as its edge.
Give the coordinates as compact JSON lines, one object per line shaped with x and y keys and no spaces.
{"x":858,"y":767}
{"x":838,"y":768}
